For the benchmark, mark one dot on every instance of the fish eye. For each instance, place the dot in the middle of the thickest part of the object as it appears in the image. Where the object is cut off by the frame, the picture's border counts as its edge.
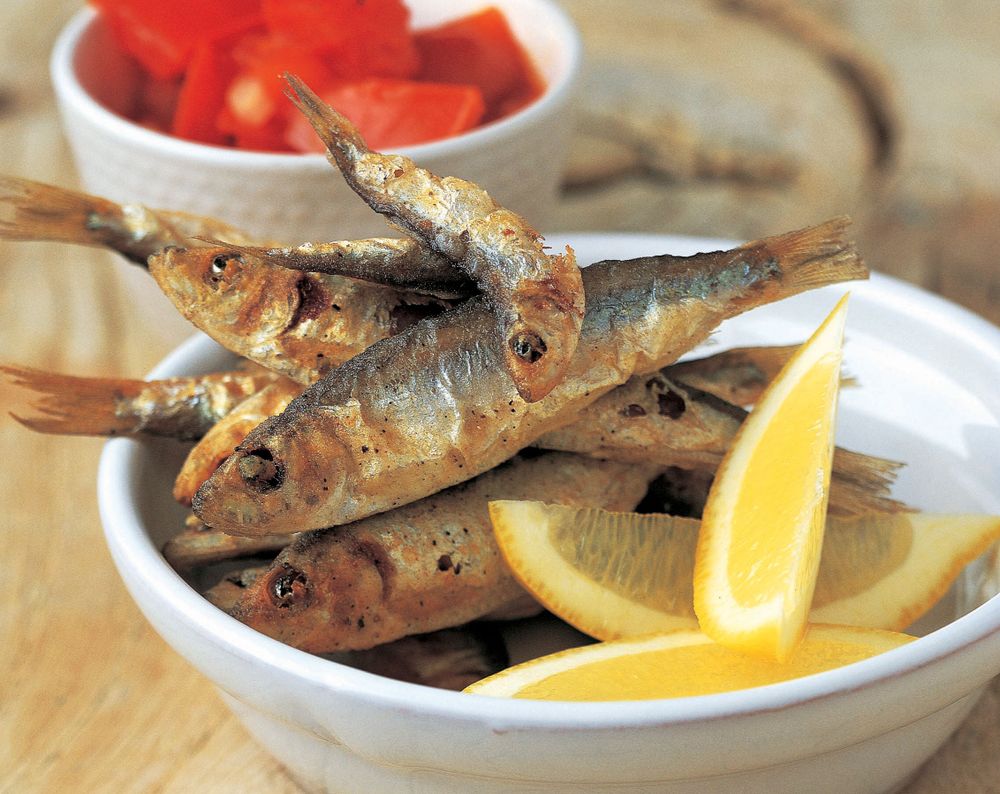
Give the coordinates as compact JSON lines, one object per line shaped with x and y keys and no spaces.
{"x":261,"y":471}
{"x":221,"y":261}
{"x":528,"y":346}
{"x":287,"y":586}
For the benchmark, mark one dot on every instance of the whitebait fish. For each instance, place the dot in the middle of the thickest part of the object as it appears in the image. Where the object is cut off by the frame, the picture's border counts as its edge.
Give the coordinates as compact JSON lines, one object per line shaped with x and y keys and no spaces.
{"x":433,"y":406}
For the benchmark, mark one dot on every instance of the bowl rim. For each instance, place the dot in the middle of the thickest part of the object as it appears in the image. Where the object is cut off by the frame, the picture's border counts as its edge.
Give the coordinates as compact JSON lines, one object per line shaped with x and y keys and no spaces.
{"x":132,"y":547}
{"x":70,"y":91}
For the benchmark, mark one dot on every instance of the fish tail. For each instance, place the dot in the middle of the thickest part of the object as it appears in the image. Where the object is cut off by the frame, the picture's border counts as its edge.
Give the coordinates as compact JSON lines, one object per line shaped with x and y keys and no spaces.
{"x":34,"y":211}
{"x":878,"y":474}
{"x":861,"y":483}
{"x":340,"y":137}
{"x":816,"y":256}
{"x":71,"y":405}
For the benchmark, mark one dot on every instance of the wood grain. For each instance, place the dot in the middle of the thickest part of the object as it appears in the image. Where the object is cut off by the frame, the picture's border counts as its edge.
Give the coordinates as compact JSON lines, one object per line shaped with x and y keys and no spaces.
{"x":91,"y":700}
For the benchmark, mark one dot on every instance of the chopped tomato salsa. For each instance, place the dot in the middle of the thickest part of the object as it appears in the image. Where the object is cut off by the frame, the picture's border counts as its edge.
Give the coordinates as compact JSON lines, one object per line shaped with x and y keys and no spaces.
{"x":212,"y":71}
{"x":480,"y":49}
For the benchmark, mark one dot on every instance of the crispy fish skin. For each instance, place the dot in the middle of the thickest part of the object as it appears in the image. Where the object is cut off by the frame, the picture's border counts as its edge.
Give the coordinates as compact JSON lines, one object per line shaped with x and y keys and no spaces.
{"x":227,"y":592}
{"x":432,"y":406}
{"x":181,"y":408}
{"x":660,"y":419}
{"x":652,"y":417}
{"x":448,"y":659}
{"x":737,"y":375}
{"x":538,"y":298}
{"x":297,"y":324}
{"x":186,"y":408}
{"x":426,"y":566}
{"x":47,"y":212}
{"x":397,"y":262}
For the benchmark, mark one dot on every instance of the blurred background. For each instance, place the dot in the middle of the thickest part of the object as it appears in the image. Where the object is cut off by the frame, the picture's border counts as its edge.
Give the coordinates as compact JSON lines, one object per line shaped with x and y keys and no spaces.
{"x":722,"y":118}
{"x":745,"y":117}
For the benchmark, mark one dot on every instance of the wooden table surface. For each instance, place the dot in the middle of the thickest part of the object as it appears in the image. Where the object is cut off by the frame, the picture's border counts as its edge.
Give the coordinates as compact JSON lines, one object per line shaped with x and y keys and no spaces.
{"x":91,"y":699}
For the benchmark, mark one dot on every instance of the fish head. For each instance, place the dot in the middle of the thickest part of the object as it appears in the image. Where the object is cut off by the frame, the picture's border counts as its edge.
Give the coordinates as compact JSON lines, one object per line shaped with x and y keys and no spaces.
{"x":542,"y":332}
{"x":224,"y":291}
{"x":324,"y":592}
{"x":290,"y":474}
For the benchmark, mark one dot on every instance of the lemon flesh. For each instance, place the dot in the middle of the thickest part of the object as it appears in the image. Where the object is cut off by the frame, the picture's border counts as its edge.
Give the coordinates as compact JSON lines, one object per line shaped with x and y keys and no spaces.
{"x":681,"y":663}
{"x":610,"y":575}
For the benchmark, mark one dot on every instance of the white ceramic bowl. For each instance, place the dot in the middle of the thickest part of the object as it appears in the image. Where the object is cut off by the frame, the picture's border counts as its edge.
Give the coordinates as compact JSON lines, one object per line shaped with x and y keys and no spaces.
{"x":928,"y":371}
{"x":300,"y":197}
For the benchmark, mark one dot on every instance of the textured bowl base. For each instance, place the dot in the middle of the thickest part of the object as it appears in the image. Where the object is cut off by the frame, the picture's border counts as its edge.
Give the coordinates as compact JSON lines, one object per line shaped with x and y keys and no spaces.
{"x":878,"y":766}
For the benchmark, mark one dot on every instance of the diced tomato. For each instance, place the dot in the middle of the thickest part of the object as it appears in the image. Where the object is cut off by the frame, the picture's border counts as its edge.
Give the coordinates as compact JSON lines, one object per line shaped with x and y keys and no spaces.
{"x":203,"y":91}
{"x":359,"y":38}
{"x":479,"y":49}
{"x":393,"y":113}
{"x":254,"y":110}
{"x":266,"y":137}
{"x":211,"y":71}
{"x":162,"y":36}
{"x":265,"y":57}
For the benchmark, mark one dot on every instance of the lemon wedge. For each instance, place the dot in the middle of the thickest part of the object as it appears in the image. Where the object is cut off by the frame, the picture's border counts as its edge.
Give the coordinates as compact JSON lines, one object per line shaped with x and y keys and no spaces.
{"x":678,"y":664}
{"x":610,"y":575}
{"x":886,"y":570}
{"x":616,"y":575}
{"x":762,"y":526}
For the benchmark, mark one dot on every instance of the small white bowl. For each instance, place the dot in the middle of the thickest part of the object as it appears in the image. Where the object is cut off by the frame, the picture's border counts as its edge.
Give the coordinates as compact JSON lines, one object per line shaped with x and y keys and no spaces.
{"x":928,"y":373}
{"x":301,"y":197}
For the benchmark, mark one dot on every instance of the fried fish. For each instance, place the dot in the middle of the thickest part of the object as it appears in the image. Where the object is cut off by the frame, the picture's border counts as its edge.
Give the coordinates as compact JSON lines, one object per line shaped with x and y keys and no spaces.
{"x":433,"y":406}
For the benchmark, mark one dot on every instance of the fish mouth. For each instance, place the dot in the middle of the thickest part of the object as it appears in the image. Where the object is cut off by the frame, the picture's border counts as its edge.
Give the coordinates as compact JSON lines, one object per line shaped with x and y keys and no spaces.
{"x":186,"y":278}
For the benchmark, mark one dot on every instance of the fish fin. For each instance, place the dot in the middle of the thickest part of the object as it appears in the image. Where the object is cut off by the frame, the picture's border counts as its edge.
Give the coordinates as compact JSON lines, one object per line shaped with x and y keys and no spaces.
{"x":71,"y":405}
{"x":816,"y":256}
{"x":40,"y":212}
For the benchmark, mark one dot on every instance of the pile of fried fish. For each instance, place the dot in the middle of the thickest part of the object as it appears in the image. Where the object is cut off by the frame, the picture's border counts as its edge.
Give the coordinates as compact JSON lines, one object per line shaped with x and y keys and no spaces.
{"x":386,"y":389}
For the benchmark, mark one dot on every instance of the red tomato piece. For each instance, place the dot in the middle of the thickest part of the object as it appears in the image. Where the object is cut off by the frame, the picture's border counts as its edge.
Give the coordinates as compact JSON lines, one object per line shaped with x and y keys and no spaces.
{"x":482,"y":50}
{"x":162,"y":36}
{"x":359,"y":38}
{"x":266,"y":57}
{"x":393,"y":113}
{"x":203,"y":91}
{"x":266,"y":137}
{"x":255,"y":111}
